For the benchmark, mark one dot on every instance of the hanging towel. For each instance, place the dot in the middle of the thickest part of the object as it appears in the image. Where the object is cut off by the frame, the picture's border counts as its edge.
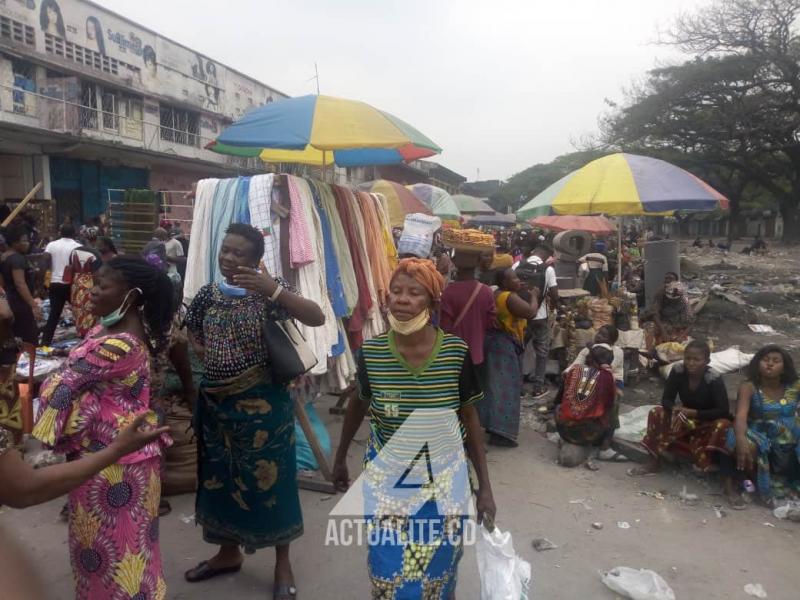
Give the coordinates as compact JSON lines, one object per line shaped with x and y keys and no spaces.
{"x":198,"y":274}
{"x":241,"y":210}
{"x":301,"y":249}
{"x":262,"y":218}
{"x":346,"y":271}
{"x":221,"y":216}
{"x":311,"y":280}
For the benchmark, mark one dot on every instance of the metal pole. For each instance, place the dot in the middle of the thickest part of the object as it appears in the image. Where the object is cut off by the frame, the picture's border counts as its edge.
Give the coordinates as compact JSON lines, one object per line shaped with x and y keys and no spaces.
{"x":619,"y":252}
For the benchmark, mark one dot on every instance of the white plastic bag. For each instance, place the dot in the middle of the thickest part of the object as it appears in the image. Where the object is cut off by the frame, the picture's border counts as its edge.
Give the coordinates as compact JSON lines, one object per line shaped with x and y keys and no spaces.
{"x":633,"y":424}
{"x":504,"y":575}
{"x":638,"y":584}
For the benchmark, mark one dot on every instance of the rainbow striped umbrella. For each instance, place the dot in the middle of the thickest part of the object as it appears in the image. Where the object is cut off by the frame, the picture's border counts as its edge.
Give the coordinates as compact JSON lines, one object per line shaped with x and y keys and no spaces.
{"x":319,"y":130}
{"x":625,"y":185}
{"x":438,"y":200}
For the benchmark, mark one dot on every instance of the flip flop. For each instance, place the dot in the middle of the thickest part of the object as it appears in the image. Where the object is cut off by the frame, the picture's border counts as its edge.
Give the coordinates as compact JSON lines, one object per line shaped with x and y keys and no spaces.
{"x":203,"y":572}
{"x":639,"y":472}
{"x":284,"y":592}
{"x":611,"y":455}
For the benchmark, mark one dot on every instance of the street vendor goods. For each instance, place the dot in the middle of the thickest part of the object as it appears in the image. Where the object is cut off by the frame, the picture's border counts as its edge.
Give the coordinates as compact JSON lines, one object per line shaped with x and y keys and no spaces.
{"x":468,"y":239}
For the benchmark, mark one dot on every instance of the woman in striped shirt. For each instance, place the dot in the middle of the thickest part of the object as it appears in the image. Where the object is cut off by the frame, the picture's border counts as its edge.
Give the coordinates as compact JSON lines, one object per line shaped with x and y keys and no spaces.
{"x":420,"y":389}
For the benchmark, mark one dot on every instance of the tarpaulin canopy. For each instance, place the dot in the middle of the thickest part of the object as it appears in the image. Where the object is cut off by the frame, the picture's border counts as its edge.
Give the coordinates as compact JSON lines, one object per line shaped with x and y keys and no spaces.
{"x":470,"y":205}
{"x":597,"y":225}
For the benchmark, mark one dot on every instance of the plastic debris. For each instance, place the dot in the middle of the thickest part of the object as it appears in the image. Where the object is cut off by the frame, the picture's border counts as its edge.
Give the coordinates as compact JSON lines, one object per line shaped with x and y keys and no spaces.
{"x":687,"y":498}
{"x":623,"y":525}
{"x":542,"y":544}
{"x":719,"y":511}
{"x":755,"y":328}
{"x":656,"y":495}
{"x":756,"y":590}
{"x":597,"y":526}
{"x":790,"y":511}
{"x":583,"y":502}
{"x":637,"y":584}
{"x":187,"y":520}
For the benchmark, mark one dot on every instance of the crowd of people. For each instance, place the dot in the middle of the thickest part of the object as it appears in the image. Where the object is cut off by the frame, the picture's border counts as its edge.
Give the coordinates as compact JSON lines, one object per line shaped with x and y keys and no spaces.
{"x":469,"y":332}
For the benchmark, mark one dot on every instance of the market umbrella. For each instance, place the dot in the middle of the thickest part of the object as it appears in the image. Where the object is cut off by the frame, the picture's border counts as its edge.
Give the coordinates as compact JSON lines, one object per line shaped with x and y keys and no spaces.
{"x":625,"y":185}
{"x":597,"y":225}
{"x":438,"y":200}
{"x":400,"y":200}
{"x":495,"y":220}
{"x":319,"y":130}
{"x":470,"y":205}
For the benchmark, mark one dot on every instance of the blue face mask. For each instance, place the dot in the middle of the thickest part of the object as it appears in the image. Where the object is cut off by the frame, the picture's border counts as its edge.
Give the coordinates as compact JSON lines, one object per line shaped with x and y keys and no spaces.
{"x":115,"y":317}
{"x":231,"y":290}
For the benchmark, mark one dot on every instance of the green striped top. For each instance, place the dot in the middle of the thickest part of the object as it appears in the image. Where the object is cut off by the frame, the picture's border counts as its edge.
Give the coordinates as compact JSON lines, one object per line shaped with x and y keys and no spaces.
{"x":395,"y":389}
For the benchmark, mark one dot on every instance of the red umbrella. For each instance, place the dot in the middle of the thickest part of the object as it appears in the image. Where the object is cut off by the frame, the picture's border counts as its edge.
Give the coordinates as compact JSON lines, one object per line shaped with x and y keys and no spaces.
{"x":594,"y":225}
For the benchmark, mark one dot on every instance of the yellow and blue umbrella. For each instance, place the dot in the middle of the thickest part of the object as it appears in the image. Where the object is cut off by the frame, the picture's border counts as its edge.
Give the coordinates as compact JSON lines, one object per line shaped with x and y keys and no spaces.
{"x":625,"y":185}
{"x":438,"y":200}
{"x":321,"y":130}
{"x":400,"y":201}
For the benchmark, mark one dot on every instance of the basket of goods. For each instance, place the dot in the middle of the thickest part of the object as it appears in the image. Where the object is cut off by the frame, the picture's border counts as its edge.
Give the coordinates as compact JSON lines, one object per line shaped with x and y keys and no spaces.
{"x":468,"y":240}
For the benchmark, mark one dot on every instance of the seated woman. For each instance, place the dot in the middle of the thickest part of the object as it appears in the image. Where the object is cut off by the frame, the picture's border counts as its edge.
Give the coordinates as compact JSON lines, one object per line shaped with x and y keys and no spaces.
{"x":584,"y":406}
{"x":764,"y":442}
{"x":698,"y":427}
{"x":608,"y":335}
{"x":671,"y":316}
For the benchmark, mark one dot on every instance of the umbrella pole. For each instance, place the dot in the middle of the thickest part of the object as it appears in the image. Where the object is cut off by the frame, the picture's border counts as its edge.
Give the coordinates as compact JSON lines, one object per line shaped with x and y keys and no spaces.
{"x":619,"y":252}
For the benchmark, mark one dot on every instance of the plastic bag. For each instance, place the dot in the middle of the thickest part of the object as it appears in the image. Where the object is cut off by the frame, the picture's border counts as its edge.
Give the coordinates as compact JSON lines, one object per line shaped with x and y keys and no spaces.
{"x":633,"y":424}
{"x":504,"y":575}
{"x":790,"y":511}
{"x":638,"y":584}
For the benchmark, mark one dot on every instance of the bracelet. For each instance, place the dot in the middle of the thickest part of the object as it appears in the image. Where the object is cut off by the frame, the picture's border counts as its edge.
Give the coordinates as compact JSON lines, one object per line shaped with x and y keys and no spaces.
{"x":276,"y":293}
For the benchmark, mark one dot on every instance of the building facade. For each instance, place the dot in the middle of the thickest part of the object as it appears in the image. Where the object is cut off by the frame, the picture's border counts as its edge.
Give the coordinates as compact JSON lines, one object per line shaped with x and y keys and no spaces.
{"x":92,"y":102}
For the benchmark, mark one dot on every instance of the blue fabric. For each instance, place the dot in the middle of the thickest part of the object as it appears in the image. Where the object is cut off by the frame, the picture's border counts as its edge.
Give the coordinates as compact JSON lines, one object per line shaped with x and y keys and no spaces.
{"x":306,"y":461}
{"x":242,"y":205}
{"x":222,"y":211}
{"x":333,"y":275}
{"x":286,"y":124}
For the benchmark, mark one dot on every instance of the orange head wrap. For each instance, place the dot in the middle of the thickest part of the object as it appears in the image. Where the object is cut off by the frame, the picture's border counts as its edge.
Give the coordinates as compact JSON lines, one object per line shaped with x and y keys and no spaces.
{"x":425,"y":273}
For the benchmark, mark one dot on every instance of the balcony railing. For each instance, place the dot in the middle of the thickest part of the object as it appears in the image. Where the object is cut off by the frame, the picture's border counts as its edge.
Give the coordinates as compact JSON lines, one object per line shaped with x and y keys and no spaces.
{"x":53,"y":112}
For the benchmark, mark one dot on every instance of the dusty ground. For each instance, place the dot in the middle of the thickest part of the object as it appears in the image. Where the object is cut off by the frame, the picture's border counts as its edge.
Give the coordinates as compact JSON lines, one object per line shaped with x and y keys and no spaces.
{"x":701,"y":555}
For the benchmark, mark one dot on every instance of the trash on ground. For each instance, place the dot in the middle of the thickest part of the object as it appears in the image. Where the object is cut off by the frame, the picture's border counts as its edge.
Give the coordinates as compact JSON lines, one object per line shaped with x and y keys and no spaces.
{"x":761,"y":328}
{"x":656,"y":495}
{"x":790,"y":511}
{"x":583,"y":502}
{"x":633,"y":424}
{"x":719,"y":511}
{"x":689,"y":499}
{"x":187,"y":520}
{"x":542,"y":544}
{"x":623,"y":525}
{"x":597,"y":526}
{"x":637,"y":584}
{"x":756,"y":590}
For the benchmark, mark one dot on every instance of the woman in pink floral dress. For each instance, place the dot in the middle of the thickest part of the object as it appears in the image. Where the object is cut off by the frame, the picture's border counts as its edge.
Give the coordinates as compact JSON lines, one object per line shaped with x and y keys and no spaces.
{"x":105,"y":384}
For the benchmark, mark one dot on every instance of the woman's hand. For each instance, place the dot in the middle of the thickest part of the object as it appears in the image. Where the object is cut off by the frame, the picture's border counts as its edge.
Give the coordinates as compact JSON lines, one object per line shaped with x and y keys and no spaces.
{"x":744,"y":455}
{"x":136,"y":435}
{"x":341,"y":476}
{"x":261,"y":283}
{"x":37,"y":311}
{"x":485,"y":506}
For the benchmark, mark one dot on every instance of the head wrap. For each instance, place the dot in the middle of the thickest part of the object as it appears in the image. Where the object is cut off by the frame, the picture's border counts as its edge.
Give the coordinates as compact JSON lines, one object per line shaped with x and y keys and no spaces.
{"x":424,"y":272}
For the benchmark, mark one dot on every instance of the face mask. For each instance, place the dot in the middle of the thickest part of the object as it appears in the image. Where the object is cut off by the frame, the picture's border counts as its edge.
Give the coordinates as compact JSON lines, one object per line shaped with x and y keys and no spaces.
{"x":231,"y":290}
{"x":409,"y":327}
{"x":115,"y":317}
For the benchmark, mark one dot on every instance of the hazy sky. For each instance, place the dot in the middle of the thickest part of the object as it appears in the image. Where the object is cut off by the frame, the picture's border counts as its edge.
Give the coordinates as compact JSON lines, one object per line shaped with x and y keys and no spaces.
{"x":499,"y":84}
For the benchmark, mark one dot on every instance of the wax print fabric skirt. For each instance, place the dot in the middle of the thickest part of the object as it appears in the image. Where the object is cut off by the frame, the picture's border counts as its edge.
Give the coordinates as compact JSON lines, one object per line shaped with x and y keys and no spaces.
{"x":500,"y":409}
{"x":247,"y":473}
{"x":416,"y":556}
{"x":698,"y":440}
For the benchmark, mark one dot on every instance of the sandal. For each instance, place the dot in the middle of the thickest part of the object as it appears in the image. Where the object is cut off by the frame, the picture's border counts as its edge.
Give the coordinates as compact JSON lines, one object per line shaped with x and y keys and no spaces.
{"x":203,"y":572}
{"x":591,"y":465}
{"x":284,"y":592}
{"x":611,"y":455}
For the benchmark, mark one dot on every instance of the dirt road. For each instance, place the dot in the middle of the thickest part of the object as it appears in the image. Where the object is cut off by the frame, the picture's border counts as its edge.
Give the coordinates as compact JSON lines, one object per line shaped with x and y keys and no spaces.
{"x":703,"y":557}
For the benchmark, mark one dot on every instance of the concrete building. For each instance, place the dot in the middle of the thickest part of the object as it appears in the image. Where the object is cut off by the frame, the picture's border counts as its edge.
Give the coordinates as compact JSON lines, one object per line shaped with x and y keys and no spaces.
{"x":90,"y":101}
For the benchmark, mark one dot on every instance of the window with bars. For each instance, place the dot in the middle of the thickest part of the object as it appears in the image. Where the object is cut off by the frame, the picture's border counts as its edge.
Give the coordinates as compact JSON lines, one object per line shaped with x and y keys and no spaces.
{"x":180,"y":126}
{"x":17,"y":32}
{"x":84,"y":56}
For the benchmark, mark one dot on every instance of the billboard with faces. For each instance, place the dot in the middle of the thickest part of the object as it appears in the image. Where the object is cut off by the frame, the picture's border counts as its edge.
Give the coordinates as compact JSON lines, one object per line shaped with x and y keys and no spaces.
{"x":148,"y":61}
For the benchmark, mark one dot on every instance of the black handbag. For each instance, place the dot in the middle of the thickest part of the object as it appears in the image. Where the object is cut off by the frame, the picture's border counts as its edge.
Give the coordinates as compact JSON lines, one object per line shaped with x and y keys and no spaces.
{"x":289,"y":353}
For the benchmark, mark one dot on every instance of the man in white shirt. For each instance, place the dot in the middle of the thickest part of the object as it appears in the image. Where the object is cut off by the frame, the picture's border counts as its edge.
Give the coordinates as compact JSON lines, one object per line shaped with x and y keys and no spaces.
{"x":60,"y":253}
{"x":174,"y":250}
{"x":538,"y":333}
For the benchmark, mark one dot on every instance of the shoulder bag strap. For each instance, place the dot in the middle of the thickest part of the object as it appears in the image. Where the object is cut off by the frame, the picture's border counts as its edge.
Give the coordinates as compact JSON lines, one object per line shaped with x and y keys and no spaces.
{"x":469,"y":304}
